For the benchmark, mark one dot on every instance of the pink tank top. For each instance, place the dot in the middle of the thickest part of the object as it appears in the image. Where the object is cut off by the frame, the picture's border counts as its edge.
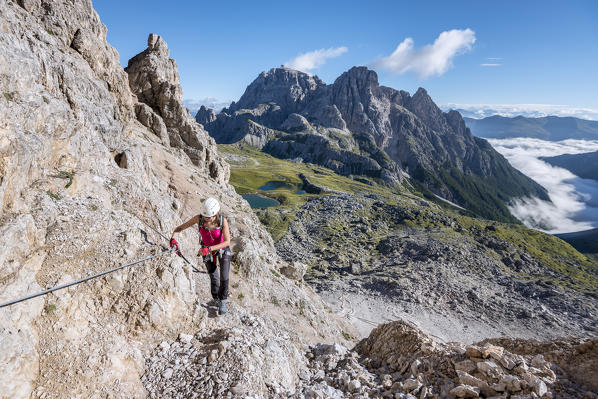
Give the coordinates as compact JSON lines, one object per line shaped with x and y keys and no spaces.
{"x":210,"y":237}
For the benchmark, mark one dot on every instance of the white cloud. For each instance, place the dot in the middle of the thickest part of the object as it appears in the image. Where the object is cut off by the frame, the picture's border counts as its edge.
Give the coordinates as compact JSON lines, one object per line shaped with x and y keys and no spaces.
{"x":490,"y":65}
{"x":432,"y":59}
{"x":314,"y":59}
{"x":494,"y":58}
{"x":479,"y":111}
{"x":574,"y":204}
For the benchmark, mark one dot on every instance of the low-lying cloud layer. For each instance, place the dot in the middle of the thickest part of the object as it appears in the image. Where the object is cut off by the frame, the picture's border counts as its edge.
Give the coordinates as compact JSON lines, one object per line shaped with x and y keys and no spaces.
{"x":314,"y":59}
{"x":574,"y":204}
{"x":432,"y":59}
{"x":479,"y":111}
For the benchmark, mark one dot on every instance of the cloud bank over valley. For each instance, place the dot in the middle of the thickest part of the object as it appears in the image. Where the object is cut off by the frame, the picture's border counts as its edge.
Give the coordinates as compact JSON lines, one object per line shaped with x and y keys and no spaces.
{"x":574,"y":204}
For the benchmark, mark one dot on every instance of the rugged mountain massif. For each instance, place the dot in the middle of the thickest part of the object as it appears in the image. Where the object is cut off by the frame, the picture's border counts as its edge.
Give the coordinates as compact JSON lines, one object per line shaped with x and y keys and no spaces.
{"x":551,"y":128}
{"x":357,"y":127}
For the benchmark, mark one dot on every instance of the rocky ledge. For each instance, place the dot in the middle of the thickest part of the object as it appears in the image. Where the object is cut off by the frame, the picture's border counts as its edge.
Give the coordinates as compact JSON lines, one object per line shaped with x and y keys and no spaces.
{"x":396,"y":361}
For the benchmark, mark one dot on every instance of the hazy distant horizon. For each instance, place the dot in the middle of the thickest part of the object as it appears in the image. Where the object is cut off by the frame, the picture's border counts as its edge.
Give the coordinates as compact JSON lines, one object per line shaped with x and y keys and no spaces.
{"x":481,"y":111}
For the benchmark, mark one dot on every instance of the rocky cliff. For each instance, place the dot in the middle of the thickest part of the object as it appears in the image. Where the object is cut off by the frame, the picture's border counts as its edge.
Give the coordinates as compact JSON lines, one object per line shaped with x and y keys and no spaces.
{"x":154,"y":79}
{"x":93,"y":160}
{"x":358,"y":127}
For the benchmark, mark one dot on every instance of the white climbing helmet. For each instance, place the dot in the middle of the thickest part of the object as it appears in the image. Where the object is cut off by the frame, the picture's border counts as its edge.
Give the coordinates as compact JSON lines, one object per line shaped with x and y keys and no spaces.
{"x":210,"y":207}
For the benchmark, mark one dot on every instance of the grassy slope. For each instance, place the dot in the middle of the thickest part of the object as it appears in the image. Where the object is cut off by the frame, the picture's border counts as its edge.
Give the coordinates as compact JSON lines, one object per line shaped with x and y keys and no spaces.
{"x":258,"y":168}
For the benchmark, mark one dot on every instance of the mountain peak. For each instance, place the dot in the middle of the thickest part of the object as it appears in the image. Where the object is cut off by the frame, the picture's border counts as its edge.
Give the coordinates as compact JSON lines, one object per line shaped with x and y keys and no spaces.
{"x":421,"y":95}
{"x":285,"y":70}
{"x":422,"y":105}
{"x":361,"y":75}
{"x":156,"y":44}
{"x":283,"y":86}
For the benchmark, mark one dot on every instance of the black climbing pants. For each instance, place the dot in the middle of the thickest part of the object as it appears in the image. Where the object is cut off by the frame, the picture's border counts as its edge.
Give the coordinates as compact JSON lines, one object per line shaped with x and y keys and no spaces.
{"x":219,"y":284}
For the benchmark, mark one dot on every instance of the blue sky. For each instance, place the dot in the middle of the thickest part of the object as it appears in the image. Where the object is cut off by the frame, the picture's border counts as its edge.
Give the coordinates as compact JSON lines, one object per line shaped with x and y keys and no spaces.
{"x":547,"y":50}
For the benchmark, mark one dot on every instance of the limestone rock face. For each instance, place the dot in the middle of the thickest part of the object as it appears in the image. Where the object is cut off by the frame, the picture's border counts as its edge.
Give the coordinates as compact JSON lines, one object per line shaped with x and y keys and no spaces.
{"x":206,"y":114}
{"x":287,"y":88}
{"x":84,"y":186}
{"x":154,"y":79}
{"x":296,"y":122}
{"x":294,"y":271}
{"x":152,"y":121}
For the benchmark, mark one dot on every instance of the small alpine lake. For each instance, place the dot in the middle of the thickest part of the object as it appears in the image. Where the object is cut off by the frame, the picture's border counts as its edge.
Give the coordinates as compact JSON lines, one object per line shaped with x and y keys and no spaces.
{"x":259,"y":201}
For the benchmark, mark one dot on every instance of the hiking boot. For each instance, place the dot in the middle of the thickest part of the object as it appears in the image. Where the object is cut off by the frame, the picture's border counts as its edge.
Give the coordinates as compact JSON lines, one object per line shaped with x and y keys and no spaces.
{"x":214,"y":302}
{"x":222,"y":307}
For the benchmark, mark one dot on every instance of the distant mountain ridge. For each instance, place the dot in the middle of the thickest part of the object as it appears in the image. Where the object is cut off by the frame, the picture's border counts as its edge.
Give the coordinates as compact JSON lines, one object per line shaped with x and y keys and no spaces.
{"x":583,"y":165}
{"x":210,"y":102}
{"x":357,"y":127}
{"x":551,"y":128}
{"x":480,"y":111}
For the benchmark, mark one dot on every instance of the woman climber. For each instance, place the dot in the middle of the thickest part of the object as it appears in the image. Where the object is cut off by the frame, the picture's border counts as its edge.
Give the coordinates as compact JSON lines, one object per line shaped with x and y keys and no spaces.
{"x":214,"y":238}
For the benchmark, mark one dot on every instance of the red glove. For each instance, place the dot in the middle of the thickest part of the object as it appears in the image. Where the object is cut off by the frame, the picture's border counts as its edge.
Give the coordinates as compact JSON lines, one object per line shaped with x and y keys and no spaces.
{"x":205,"y":251}
{"x":174,"y":244}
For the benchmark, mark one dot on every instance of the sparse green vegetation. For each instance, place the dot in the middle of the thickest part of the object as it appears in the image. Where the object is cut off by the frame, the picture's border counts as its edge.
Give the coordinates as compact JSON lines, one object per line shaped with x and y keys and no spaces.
{"x":241,"y":296}
{"x":235,"y":285}
{"x":46,"y":100}
{"x":275,"y":273}
{"x":274,"y":301}
{"x":67,"y":175}
{"x":255,"y":168}
{"x":52,"y":195}
{"x":94,"y":207}
{"x":346,"y":335}
{"x":302,"y":307}
{"x":8,"y":96}
{"x":50,"y":308}
{"x":112,"y":182}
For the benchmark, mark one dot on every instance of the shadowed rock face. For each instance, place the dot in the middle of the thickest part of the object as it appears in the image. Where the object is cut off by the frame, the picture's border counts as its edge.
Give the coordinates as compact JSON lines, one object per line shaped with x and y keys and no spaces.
{"x":408,"y":132}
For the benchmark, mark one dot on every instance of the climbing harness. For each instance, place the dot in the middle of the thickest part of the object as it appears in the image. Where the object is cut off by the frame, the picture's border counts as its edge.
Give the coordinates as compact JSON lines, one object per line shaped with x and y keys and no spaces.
{"x":210,"y":256}
{"x":59,"y":287}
